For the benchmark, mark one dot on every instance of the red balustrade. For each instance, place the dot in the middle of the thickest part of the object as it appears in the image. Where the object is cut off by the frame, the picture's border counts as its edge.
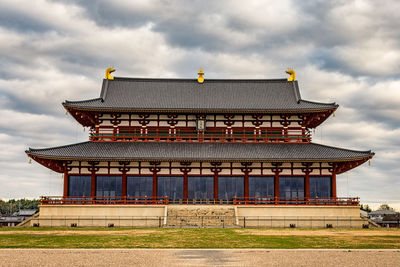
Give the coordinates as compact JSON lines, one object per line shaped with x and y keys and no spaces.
{"x":294,"y":135}
{"x":55,"y":200}
{"x":331,"y":201}
{"x":323,"y":201}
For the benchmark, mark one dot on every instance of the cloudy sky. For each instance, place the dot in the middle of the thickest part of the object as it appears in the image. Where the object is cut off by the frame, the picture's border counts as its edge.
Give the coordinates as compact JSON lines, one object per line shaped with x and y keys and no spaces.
{"x":342,"y":51}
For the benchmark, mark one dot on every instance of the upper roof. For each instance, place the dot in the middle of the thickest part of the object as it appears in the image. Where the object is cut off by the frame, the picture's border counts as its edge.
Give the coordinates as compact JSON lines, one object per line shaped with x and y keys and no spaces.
{"x":114,"y":151}
{"x":382,"y":212}
{"x":28,"y":212}
{"x":187,"y":95}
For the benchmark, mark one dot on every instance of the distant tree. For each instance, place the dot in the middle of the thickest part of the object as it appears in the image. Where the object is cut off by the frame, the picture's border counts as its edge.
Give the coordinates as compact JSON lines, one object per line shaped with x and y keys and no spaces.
{"x":365,"y":208}
{"x":385,"y":207}
{"x":13,"y":205}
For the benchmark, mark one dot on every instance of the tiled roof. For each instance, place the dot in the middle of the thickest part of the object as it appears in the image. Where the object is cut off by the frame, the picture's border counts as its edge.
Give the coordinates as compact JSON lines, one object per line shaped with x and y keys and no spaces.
{"x":199,"y":151}
{"x":134,"y":94}
{"x":382,"y":212}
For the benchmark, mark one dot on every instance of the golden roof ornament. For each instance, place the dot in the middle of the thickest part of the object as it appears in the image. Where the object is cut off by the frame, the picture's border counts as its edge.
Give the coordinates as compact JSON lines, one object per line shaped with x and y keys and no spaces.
{"x":201,"y":78}
{"x":108,"y":74}
{"x":292,"y":75}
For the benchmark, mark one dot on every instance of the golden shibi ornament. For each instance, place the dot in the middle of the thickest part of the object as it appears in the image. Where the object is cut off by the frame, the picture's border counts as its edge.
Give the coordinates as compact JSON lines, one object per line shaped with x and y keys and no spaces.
{"x":201,"y":74}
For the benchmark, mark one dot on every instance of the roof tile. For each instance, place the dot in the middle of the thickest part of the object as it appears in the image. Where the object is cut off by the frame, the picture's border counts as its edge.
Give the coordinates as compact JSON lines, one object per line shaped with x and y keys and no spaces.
{"x":199,"y":151}
{"x":131,"y":94}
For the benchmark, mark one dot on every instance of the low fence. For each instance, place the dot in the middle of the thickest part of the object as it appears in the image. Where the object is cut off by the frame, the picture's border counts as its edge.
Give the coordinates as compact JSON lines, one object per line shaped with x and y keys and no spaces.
{"x":120,"y":200}
{"x":203,"y":221}
{"x":134,"y":200}
{"x":272,"y":135}
{"x":315,"y":201}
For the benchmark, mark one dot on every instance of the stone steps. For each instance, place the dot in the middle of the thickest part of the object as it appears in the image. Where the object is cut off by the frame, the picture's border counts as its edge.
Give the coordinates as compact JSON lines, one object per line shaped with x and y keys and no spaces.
{"x":201,"y":216}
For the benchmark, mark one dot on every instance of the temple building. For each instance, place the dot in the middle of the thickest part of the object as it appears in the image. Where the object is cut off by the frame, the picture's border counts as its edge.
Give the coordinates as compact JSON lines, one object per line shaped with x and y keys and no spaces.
{"x":155,"y":144}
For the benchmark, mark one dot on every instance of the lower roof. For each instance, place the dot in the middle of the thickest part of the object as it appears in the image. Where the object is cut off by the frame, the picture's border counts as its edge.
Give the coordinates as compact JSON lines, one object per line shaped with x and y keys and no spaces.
{"x":128,"y":151}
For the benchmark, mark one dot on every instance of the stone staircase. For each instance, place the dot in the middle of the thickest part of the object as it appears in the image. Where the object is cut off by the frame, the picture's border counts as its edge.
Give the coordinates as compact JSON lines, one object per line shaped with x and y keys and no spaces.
{"x":201,"y":216}
{"x":370,"y":222}
{"x":27,"y":222}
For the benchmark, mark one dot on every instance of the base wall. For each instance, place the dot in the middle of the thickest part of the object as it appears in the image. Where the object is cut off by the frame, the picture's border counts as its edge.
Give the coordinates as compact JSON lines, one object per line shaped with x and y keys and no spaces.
{"x":300,"y":216}
{"x":198,"y":216}
{"x":100,"y":216}
{"x":352,"y":211}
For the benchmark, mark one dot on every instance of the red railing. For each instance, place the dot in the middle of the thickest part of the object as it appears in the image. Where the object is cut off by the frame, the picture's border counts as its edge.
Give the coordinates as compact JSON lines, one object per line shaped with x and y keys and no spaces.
{"x":294,"y":135}
{"x":54,"y":200}
{"x":330,"y":201}
{"x":336,"y":201}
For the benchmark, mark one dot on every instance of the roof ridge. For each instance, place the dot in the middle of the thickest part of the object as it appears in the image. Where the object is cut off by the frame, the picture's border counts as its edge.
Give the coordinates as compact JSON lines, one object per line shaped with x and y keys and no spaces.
{"x":345,"y":149}
{"x":195,"y":80}
{"x":296,"y":92}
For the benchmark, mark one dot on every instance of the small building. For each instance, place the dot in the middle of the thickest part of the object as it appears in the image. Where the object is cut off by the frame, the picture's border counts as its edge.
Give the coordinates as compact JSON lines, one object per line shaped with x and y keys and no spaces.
{"x":168,"y":142}
{"x":14,"y":219}
{"x":385,"y":218}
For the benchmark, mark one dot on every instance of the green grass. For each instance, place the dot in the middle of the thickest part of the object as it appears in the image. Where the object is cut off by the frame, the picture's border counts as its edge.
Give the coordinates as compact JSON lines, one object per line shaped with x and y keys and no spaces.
{"x":189,"y":238}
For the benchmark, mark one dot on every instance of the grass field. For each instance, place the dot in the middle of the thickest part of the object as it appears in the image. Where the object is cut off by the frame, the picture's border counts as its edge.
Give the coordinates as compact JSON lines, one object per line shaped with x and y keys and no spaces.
{"x":198,"y":238}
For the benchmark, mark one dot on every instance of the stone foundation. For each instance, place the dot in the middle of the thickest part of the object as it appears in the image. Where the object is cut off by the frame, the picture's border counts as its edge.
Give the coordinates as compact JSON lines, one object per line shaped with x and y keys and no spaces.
{"x":300,"y":216}
{"x":100,"y":216}
{"x":197,"y":216}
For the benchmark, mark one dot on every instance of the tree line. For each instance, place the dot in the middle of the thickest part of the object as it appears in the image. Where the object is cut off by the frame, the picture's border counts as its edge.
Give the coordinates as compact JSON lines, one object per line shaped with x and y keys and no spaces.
{"x":381,"y":207}
{"x":13,"y":205}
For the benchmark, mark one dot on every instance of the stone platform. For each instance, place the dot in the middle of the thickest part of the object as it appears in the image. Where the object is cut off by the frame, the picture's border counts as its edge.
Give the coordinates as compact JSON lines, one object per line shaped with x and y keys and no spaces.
{"x":197,"y":216}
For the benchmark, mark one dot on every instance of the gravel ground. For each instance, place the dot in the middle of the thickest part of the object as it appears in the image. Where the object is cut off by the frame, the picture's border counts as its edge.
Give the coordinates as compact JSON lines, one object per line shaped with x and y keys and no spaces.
{"x":197,"y":257}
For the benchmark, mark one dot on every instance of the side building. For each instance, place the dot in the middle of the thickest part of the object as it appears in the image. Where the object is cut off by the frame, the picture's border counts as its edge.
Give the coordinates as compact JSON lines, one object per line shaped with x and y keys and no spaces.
{"x":156,"y":145}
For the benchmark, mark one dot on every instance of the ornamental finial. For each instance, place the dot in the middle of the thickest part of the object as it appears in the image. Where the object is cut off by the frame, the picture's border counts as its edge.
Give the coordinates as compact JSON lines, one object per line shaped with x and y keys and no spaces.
{"x":292,"y":75}
{"x":108,"y":74}
{"x":201,"y":78}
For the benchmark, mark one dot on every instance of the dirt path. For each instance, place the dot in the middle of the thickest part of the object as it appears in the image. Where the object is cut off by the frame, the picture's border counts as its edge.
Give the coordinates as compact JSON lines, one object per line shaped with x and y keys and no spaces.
{"x":320,"y":232}
{"x":197,"y":257}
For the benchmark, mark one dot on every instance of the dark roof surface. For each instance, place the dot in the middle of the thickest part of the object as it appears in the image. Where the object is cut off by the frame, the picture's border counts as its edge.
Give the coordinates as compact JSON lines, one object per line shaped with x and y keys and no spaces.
{"x":134,"y":94}
{"x":199,"y":151}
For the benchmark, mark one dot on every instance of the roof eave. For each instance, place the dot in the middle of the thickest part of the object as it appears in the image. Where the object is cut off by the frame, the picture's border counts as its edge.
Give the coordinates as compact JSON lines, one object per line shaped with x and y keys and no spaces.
{"x":269,"y":111}
{"x":33,"y":154}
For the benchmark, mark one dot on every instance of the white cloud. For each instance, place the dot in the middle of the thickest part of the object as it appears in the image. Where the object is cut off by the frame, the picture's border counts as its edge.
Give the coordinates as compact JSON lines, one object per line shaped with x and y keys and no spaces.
{"x":343,"y":51}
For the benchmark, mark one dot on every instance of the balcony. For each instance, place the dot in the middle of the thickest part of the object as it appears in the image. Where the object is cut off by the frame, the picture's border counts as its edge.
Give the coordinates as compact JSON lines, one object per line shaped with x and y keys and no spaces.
{"x":266,"y":201}
{"x":271,"y":135}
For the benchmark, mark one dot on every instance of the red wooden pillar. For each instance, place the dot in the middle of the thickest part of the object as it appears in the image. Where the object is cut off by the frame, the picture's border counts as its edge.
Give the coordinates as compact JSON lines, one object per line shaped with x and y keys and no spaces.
{"x":216,"y":168}
{"x":276,"y":186}
{"x":154,"y":185}
{"x":246,"y":184}
{"x":215,"y":185}
{"x":185,"y":187}
{"x":185,"y":169}
{"x":333,"y":181}
{"x":307,"y":185}
{"x":246,"y":171}
{"x":93,"y":184}
{"x":154,"y":169}
{"x":65,"y":192}
{"x":124,"y":183}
